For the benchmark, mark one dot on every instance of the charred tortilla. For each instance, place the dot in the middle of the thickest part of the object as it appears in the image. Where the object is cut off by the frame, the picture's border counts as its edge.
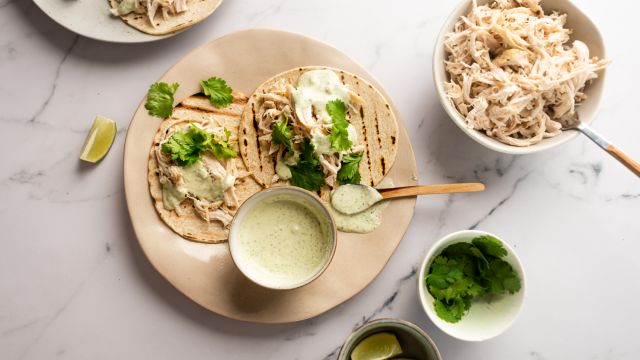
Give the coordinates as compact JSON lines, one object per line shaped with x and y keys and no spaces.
{"x":184,"y":220}
{"x":374,"y":121}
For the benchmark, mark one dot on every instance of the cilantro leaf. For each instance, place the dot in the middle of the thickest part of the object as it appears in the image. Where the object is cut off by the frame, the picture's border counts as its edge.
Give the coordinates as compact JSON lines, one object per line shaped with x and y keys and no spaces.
{"x":489,"y":245}
{"x":160,"y":99}
{"x":457,"y":249}
{"x":462,"y":250}
{"x":447,"y":280}
{"x":309,"y":179}
{"x":307,"y":173}
{"x":339,"y":136}
{"x":476,"y":290}
{"x":218,"y":91}
{"x":308,"y":154}
{"x":349,"y":172}
{"x":281,"y":134}
{"x":444,"y":272}
{"x":223,"y":152}
{"x":186,"y":147}
{"x":452,"y":311}
{"x":220,"y":148}
{"x":501,"y":278}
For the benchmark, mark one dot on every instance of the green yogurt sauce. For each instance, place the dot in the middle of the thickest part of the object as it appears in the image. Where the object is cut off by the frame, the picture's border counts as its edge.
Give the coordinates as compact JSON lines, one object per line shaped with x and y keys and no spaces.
{"x":351,"y":198}
{"x":198,"y":182}
{"x":283,"y":240}
{"x":358,"y":209}
{"x":314,"y":90}
{"x":363,"y":222}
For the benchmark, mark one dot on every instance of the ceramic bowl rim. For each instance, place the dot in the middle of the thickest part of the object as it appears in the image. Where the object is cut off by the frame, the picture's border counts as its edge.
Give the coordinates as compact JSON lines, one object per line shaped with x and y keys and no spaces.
{"x":262,"y":195}
{"x":431,"y":254}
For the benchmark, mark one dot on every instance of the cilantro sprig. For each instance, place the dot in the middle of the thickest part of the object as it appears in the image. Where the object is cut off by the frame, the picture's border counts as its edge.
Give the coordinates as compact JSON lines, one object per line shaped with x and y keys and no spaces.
{"x":339,"y":136}
{"x":467,"y":271}
{"x":160,"y":96}
{"x":220,"y":147}
{"x":186,"y":147}
{"x":160,"y":99}
{"x":349,"y":172}
{"x":281,"y":133}
{"x":307,"y":173}
{"x":218,"y":91}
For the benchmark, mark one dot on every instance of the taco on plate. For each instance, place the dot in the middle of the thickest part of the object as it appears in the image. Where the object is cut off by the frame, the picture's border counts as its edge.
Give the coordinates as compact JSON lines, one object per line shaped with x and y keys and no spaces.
{"x":317,"y":128}
{"x":197,"y":196}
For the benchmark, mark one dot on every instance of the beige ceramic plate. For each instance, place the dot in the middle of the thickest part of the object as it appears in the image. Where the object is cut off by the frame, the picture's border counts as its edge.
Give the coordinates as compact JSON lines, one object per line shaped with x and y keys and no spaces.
{"x":204,"y":272}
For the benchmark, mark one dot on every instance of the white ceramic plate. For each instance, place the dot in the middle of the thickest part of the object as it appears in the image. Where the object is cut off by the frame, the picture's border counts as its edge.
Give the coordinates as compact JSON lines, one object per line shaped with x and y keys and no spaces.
{"x":91,"y":18}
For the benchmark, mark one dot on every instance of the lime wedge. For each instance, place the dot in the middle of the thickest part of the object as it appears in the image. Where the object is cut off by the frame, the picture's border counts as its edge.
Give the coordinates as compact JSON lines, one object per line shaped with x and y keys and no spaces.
{"x":99,"y":139}
{"x":378,"y":346}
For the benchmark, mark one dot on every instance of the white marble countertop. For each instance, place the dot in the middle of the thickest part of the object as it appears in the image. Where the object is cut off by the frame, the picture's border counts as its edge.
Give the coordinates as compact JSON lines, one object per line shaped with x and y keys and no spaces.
{"x":74,"y":283}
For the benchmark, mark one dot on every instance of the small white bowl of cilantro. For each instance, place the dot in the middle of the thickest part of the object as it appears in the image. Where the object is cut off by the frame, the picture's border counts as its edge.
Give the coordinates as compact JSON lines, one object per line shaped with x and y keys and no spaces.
{"x":472,"y":285}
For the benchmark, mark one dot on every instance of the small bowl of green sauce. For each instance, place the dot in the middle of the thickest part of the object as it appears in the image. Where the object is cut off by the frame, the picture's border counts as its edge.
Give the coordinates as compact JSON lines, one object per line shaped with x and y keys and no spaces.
{"x":282,"y":238}
{"x":472,"y":285}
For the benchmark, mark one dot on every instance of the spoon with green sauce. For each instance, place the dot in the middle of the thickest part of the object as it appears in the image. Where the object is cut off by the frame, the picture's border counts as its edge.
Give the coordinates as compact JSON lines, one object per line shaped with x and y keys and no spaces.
{"x":354,"y":198}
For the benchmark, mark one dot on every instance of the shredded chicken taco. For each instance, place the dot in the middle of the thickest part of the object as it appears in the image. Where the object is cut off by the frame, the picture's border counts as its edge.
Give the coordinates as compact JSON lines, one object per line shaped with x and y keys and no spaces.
{"x":317,"y":128}
{"x":196,"y":178}
{"x":160,"y":17}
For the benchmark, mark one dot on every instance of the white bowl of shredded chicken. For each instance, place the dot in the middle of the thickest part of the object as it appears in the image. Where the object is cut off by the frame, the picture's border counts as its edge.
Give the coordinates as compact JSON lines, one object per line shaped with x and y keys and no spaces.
{"x":511,"y":73}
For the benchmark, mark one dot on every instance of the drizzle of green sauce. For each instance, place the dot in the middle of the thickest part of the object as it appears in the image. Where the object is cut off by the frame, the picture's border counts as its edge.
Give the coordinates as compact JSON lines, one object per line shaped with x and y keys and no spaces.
{"x":196,"y":181}
{"x":315,"y":89}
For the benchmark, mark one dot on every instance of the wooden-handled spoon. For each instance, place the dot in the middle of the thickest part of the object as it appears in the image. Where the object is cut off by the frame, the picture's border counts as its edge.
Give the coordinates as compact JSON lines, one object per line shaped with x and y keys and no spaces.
{"x":352,"y":199}
{"x":397,"y":192}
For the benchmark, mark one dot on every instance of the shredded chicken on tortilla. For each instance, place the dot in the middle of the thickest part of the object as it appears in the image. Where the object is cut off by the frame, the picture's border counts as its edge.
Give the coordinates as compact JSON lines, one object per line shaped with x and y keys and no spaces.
{"x":276,"y":105}
{"x":512,"y":73}
{"x":220,"y":210}
{"x":150,"y":8}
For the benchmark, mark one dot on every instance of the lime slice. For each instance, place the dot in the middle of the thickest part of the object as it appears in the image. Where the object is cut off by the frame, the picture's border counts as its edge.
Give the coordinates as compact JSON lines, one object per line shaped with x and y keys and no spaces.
{"x":99,"y":139}
{"x":378,"y":346}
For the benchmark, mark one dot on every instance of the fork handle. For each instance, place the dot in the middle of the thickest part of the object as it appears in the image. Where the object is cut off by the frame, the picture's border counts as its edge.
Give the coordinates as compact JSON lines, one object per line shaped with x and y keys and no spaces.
{"x":623,"y":158}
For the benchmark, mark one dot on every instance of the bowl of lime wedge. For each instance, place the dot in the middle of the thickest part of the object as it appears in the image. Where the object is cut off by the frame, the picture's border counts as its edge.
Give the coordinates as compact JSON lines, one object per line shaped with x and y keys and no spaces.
{"x":384,"y":339}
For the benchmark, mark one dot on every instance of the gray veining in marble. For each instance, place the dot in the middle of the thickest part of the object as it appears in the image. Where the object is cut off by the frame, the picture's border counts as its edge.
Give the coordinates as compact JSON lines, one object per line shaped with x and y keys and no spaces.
{"x":75,"y":285}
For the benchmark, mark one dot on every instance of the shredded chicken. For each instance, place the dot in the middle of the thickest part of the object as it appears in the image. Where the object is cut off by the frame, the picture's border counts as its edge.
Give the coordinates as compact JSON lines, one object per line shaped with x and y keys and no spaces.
{"x":220,"y":210}
{"x":276,"y":105}
{"x":512,"y":73}
{"x":214,"y":167}
{"x":212,"y":211}
{"x":150,"y":8}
